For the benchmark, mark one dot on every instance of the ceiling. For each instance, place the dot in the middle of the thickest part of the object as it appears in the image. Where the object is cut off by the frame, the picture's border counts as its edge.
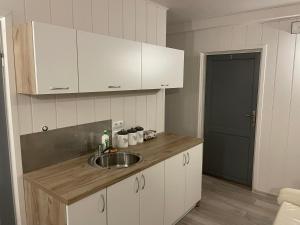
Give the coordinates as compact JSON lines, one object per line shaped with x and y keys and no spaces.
{"x":187,"y":10}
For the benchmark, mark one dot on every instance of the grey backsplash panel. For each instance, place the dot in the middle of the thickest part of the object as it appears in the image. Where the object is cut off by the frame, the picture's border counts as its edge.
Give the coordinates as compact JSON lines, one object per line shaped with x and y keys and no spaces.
{"x":47,"y":148}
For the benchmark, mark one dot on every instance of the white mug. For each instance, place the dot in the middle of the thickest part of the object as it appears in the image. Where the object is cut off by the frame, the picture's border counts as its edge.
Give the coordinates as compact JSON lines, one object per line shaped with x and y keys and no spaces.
{"x":122,"y":141}
{"x":132,"y":138}
{"x":140,"y":136}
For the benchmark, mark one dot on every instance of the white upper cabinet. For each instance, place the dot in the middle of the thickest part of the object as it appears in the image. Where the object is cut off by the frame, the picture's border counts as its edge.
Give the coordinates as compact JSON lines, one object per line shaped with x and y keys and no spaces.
{"x":46,"y":59}
{"x":91,"y":210}
{"x":107,"y":63}
{"x":56,"y":60}
{"x":162,"y":67}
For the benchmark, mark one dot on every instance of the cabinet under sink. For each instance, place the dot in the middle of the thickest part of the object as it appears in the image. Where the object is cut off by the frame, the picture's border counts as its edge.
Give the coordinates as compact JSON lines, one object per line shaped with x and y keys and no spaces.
{"x":160,"y":195}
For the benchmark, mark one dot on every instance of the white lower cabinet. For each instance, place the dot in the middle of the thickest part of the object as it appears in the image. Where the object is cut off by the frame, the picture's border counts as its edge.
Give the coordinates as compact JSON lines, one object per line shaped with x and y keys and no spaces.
{"x":193,"y":176}
{"x":138,"y":200}
{"x":91,"y":210}
{"x":159,"y":195}
{"x":123,"y":201}
{"x":183,"y":183}
{"x":152,"y":195}
{"x":174,"y":188}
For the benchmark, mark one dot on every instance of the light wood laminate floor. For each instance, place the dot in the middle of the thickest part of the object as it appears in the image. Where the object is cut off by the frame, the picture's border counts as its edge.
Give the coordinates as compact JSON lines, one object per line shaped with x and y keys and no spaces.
{"x":225,"y":203}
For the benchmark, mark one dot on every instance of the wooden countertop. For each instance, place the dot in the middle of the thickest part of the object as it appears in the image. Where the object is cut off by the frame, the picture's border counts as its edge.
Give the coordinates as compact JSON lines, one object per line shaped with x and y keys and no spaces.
{"x":75,"y":179}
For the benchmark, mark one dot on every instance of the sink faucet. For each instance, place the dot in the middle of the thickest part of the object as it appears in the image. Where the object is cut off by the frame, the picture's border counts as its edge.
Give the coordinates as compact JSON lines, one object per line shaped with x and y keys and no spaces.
{"x":101,"y":150}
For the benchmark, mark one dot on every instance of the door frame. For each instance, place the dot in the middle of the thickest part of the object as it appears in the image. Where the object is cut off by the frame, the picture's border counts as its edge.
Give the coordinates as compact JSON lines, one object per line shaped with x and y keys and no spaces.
{"x":6,"y":20}
{"x":263,"y":49}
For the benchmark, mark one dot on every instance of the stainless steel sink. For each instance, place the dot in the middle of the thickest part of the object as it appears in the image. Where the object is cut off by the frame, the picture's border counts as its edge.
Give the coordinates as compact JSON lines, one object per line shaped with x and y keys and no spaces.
{"x":115,"y":160}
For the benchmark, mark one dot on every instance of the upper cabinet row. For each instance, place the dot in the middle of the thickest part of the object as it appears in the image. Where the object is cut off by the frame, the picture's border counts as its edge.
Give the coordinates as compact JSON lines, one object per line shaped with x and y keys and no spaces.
{"x":56,"y":60}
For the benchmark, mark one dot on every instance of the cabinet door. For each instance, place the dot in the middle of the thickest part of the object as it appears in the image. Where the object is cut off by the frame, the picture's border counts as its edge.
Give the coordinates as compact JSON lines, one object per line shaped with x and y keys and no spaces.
{"x":152,"y":196}
{"x":55,"y":55}
{"x":174,"y":189}
{"x":193,"y":176}
{"x":107,"y":63}
{"x":161,"y":67}
{"x":91,"y":210}
{"x":123,"y":202}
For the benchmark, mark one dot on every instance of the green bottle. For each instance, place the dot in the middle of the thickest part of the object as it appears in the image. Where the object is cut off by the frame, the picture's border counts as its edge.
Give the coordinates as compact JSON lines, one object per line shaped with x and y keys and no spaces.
{"x":105,"y":140}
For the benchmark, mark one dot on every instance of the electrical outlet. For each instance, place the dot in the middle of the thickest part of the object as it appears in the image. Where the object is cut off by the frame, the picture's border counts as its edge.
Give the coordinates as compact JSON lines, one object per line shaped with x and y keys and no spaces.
{"x":296,"y":27}
{"x":118,"y":125}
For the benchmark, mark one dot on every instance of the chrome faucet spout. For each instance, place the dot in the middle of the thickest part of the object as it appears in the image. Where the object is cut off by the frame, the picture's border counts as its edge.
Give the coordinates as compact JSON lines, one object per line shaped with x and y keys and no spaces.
{"x":101,"y":150}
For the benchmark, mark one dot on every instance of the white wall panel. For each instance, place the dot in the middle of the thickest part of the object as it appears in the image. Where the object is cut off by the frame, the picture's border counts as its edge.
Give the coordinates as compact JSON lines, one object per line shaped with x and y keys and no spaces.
{"x":38,"y":10}
{"x":161,"y":25}
{"x":102,"y":107}
{"x":209,"y":40}
{"x":116,"y":18}
{"x":85,"y":109}
{"x":66,"y":111}
{"x":141,"y":111}
{"x":141,"y":18}
{"x":292,"y":157}
{"x":82,"y":14}
{"x":100,"y":16}
{"x":17,"y":7}
{"x":129,"y":19}
{"x":269,"y":37}
{"x":25,"y":114}
{"x":151,"y":112}
{"x":225,"y":38}
{"x":253,"y":35}
{"x":117,"y":108}
{"x":239,"y":37}
{"x":43,"y":112}
{"x":129,"y":111}
{"x":282,"y":97}
{"x":62,"y":12}
{"x":151,"y":22}
{"x":160,"y":111}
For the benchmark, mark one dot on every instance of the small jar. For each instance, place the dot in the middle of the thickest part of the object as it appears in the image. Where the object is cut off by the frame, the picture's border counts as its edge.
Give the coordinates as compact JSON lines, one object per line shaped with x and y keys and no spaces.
{"x":140,"y":134}
{"x":122,"y":139}
{"x":132,"y":136}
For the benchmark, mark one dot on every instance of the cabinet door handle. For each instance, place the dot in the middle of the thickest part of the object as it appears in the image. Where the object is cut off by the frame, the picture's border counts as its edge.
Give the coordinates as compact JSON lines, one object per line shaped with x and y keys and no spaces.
{"x":165,"y":85}
{"x":103,"y":203}
{"x":144,"y":182}
{"x":59,"y":88}
{"x":138,"y":185}
{"x":188,"y":158}
{"x":184,"y":159}
{"x":114,"y":87}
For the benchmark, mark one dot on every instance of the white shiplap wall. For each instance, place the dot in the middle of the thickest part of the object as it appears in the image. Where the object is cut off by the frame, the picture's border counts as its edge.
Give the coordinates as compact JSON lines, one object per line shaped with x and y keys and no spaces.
{"x":139,"y":20}
{"x":278,"y":160}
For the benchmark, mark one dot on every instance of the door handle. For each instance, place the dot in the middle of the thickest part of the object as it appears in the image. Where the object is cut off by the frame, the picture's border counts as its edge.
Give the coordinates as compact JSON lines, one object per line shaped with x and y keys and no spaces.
{"x":144,"y":182}
{"x":138,"y":185}
{"x":184,"y":159}
{"x":114,"y":86}
{"x":59,"y":88}
{"x":253,"y":117}
{"x":103,"y":203}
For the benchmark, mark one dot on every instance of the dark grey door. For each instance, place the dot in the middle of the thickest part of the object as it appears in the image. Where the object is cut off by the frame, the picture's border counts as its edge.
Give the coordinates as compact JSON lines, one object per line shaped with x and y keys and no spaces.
{"x":7,"y":215}
{"x":230,"y":114}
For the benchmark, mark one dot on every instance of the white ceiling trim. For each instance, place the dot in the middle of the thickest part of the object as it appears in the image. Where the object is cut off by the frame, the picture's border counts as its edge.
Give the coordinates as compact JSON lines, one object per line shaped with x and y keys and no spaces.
{"x":258,"y":16}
